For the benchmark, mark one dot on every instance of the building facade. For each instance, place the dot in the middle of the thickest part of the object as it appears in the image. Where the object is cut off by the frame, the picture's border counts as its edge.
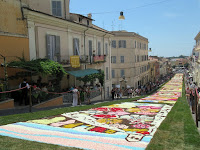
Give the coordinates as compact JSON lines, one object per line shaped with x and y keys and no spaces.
{"x":53,"y":32}
{"x":13,"y":31}
{"x":195,"y":61}
{"x":129,"y":59}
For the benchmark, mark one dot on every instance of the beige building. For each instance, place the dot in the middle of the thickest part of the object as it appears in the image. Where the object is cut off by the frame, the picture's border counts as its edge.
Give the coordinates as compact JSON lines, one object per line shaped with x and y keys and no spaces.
{"x":129,"y":58}
{"x":195,"y":63}
{"x":56,"y":34}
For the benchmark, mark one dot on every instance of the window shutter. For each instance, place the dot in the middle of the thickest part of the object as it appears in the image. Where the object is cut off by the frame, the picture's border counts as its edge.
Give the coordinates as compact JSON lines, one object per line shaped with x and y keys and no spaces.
{"x":120,"y":44}
{"x":124,"y":44}
{"x":48,"y":46}
{"x":90,"y":48}
{"x":106,"y":47}
{"x":74,"y":46}
{"x":54,"y":8}
{"x":59,"y":13}
{"x":99,"y":48}
{"x":58,"y":48}
{"x":77,"y":47}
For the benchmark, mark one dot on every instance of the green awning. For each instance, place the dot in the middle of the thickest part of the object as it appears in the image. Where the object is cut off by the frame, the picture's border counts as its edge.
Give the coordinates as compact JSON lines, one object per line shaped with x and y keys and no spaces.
{"x":82,"y":73}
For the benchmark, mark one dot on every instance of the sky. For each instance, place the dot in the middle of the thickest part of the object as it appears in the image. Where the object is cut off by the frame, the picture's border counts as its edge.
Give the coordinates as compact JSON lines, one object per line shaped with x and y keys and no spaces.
{"x":169,"y":25}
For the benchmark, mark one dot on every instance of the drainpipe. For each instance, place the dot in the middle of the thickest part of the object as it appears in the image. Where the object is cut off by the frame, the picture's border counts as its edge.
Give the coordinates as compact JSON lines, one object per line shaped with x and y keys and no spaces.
{"x":84,"y":45}
{"x":21,"y":7}
{"x":65,"y":9}
{"x":104,"y":80}
{"x":5,"y":72}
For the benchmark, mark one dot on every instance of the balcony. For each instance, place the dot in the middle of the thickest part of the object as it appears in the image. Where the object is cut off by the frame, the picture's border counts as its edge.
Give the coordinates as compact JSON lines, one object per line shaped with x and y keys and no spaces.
{"x":99,"y":58}
{"x":84,"y":59}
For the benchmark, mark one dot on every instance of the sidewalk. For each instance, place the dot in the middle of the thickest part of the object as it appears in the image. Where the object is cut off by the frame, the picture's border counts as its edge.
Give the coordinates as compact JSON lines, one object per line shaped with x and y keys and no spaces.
{"x":25,"y":109}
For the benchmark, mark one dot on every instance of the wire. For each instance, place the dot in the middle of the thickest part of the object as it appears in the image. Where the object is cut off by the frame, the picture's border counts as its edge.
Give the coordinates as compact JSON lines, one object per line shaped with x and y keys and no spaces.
{"x":146,"y":5}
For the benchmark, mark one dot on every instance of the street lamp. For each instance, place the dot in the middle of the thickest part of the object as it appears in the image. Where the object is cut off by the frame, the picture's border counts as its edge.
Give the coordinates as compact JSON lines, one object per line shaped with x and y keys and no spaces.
{"x":121,"y":17}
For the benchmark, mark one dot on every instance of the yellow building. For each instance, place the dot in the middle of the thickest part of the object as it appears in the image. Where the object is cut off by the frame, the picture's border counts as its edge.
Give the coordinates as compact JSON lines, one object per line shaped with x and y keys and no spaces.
{"x":13,"y":31}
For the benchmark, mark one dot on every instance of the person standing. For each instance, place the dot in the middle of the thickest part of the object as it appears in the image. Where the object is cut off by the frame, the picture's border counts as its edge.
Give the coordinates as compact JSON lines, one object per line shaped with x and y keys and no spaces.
{"x":88,"y":94}
{"x":113,"y":93}
{"x":24,"y":93}
{"x":75,"y":97}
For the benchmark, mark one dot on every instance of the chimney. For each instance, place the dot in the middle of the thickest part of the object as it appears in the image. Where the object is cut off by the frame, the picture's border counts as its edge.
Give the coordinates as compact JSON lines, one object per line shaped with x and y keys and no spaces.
{"x":89,"y":15}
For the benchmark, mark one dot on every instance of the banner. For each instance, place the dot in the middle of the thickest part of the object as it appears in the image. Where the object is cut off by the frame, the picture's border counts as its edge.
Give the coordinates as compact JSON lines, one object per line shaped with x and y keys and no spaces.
{"x":75,"y":61}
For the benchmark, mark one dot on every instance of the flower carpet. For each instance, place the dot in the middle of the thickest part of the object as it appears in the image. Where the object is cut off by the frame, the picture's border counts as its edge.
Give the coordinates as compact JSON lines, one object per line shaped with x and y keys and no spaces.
{"x":129,"y":125}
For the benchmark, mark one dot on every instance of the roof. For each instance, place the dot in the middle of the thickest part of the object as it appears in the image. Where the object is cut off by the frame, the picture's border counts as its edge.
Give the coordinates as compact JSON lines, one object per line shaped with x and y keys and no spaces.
{"x":82,"y":16}
{"x":82,"y":73}
{"x":128,"y":34}
{"x":95,"y":28}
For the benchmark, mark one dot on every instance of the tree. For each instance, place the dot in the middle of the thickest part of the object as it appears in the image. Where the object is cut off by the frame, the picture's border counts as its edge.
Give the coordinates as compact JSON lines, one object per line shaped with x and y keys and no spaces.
{"x":43,"y":66}
{"x":90,"y":78}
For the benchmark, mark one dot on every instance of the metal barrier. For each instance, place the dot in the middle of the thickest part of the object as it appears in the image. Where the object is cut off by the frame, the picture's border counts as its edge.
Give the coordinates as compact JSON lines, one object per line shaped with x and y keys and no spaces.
{"x":68,"y":97}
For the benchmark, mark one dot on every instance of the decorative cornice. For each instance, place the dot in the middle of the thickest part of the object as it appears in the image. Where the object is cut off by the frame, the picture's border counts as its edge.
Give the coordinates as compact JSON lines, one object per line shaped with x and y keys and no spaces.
{"x":39,"y":17}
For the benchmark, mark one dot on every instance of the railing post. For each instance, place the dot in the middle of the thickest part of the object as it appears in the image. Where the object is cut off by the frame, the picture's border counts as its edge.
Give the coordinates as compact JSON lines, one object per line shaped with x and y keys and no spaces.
{"x":30,"y":101}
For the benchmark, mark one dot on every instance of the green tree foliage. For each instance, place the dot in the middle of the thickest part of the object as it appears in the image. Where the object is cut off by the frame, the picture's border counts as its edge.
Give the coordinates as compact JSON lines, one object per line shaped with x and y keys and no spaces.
{"x":44,"y":66}
{"x":90,"y":78}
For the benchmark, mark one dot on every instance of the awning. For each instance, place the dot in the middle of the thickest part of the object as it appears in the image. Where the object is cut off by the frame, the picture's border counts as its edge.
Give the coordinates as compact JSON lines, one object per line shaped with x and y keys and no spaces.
{"x":82,"y":73}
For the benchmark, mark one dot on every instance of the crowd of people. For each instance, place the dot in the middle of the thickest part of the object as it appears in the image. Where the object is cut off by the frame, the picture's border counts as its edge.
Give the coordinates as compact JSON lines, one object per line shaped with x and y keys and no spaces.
{"x":191,"y":90}
{"x":141,"y":90}
{"x":83,"y":93}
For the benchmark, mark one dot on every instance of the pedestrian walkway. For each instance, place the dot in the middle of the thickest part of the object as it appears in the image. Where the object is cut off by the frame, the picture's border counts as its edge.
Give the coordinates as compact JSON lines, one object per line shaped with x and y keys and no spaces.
{"x":128,"y":125}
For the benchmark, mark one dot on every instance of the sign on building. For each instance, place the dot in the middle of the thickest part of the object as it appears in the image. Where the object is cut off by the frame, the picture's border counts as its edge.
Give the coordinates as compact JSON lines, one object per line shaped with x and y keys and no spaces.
{"x":75,"y":61}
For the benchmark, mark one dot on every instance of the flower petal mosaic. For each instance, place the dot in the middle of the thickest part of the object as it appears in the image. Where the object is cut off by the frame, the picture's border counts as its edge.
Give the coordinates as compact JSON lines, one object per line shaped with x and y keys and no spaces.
{"x":129,"y":125}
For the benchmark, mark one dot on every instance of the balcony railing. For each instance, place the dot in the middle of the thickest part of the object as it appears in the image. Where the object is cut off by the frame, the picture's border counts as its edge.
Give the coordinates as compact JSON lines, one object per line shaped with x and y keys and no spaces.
{"x":84,"y":59}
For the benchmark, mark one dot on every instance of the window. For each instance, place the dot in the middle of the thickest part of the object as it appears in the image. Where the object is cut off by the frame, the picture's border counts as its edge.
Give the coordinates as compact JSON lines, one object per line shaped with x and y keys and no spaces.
{"x":106,"y":49}
{"x":113,"y":73}
{"x":56,"y":8}
{"x":122,"y":59}
{"x":113,"y":59}
{"x":122,"y":43}
{"x":138,"y":58}
{"x":88,"y":22}
{"x":135,"y":44}
{"x":122,"y":73}
{"x":76,"y":46}
{"x":99,"y":48}
{"x":53,"y":47}
{"x":114,"y":44}
{"x":106,"y":73}
{"x":80,"y":19}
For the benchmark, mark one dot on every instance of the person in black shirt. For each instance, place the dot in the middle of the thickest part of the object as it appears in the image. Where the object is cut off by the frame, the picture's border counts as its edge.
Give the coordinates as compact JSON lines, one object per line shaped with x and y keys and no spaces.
{"x":24,"y":93}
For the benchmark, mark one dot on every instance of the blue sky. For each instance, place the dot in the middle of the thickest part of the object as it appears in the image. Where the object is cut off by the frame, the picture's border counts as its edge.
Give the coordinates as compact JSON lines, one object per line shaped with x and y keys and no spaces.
{"x":170,"y":25}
